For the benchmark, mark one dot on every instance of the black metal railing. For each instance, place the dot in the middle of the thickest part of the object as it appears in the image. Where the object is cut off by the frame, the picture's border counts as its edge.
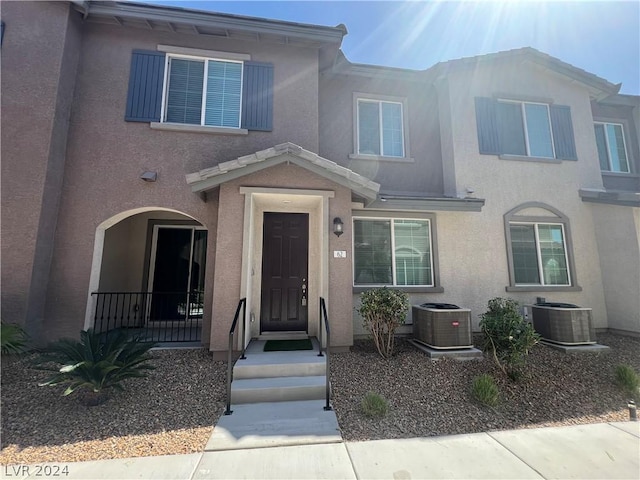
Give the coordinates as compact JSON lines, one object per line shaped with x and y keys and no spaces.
{"x":242,"y":305}
{"x":327,"y":329}
{"x":156,"y":316}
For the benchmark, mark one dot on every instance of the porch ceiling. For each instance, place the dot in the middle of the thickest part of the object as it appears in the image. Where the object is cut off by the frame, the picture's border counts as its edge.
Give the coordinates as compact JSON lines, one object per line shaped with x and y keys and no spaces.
{"x":213,"y":177}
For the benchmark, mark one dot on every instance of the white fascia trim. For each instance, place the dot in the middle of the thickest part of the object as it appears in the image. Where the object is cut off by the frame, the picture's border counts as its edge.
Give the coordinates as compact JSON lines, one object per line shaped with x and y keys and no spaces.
{"x":287,"y":191}
{"x":197,"y":52}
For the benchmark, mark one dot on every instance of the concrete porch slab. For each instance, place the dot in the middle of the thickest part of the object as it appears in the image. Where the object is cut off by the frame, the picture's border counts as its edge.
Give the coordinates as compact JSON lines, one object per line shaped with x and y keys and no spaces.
{"x":258,"y":425}
{"x":590,"y":348}
{"x":458,"y":354}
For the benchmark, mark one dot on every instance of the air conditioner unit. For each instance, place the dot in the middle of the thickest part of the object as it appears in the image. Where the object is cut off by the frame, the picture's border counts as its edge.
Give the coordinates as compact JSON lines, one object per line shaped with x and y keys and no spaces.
{"x":442,"y":325}
{"x":564,"y":323}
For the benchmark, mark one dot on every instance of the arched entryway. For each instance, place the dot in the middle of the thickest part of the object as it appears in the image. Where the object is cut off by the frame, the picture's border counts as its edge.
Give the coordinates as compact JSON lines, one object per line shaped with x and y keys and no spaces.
{"x":148,"y":275}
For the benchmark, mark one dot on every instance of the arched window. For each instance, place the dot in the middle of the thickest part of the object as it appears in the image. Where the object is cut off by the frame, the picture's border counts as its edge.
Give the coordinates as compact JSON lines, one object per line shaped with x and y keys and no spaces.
{"x":539,"y":249}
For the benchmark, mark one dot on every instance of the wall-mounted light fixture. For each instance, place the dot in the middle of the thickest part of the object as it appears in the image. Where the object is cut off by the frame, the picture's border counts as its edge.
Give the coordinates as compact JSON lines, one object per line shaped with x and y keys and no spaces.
{"x":149,"y":176}
{"x":338,"y":226}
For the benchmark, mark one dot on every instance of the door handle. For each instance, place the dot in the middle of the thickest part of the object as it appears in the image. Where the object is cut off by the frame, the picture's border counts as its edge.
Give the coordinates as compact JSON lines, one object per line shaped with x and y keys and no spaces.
{"x":304,"y":292}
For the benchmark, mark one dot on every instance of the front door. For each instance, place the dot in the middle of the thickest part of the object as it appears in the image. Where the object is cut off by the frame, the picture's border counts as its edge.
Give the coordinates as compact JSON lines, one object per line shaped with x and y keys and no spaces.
{"x":285,"y":251}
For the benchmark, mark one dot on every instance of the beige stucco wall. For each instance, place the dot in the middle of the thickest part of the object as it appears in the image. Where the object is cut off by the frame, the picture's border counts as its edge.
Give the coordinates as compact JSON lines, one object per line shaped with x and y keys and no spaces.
{"x":506,"y":184}
{"x":228,"y":275}
{"x":618,"y":235}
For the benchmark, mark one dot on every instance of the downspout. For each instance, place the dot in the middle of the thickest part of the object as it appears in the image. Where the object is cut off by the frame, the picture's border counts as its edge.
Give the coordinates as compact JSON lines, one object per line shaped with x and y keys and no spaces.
{"x":81,"y":6}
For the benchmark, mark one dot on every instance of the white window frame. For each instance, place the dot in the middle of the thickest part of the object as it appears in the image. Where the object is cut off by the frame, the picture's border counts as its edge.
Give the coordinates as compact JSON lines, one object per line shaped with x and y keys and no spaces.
{"x":165,"y":87}
{"x":523,"y":117}
{"x":379,"y":99}
{"x":624,"y":144}
{"x":539,"y":255}
{"x":393,"y":251}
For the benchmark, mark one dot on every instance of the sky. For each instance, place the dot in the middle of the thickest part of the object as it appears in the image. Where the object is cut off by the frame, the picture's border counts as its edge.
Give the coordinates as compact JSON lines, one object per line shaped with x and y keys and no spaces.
{"x":601,"y":37}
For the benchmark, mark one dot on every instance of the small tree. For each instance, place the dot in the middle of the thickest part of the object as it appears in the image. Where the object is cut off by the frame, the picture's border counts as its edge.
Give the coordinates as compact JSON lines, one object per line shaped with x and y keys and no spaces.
{"x":507,"y":335}
{"x":383,"y":311}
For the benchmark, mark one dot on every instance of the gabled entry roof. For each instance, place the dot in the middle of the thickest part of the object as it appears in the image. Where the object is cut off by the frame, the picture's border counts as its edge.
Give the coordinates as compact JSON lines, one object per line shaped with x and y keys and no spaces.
{"x":213,"y":177}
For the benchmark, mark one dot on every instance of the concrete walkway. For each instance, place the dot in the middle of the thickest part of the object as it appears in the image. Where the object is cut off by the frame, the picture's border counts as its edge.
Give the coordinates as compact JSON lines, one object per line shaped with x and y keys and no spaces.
{"x":605,"y":450}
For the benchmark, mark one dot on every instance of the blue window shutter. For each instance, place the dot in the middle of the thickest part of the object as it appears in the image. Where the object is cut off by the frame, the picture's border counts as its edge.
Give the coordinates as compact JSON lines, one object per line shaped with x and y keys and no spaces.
{"x":144,"y":100}
{"x":486,"y":122}
{"x":257,"y":96}
{"x":562,"y":128}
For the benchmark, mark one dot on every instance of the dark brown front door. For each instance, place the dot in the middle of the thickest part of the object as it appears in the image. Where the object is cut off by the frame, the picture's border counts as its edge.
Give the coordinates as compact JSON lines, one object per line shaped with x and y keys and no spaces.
{"x":284,"y":272}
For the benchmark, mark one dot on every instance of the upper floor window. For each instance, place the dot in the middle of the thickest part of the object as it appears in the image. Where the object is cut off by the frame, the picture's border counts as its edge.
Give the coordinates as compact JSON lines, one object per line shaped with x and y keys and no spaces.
{"x":203,"y":92}
{"x":379,"y":127}
{"x":525,"y":129}
{"x":612,"y":150}
{"x":394,"y":252}
{"x":539,"y":249}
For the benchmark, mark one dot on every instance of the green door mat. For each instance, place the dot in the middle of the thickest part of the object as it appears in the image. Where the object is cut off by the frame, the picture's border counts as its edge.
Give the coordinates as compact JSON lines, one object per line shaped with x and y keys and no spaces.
{"x":287,"y":345}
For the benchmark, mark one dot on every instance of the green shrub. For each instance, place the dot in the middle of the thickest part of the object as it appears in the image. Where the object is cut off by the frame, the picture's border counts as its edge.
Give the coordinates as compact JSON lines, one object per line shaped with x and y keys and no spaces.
{"x":628,"y":380}
{"x":374,"y":405}
{"x":485,"y":390}
{"x":383,"y":311}
{"x":95,"y":363}
{"x":507,"y":336}
{"x":13,"y":338}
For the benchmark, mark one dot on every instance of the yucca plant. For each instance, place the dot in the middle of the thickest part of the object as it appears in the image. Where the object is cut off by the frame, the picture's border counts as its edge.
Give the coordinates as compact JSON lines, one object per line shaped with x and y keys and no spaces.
{"x":13,"y":338}
{"x":95,"y":363}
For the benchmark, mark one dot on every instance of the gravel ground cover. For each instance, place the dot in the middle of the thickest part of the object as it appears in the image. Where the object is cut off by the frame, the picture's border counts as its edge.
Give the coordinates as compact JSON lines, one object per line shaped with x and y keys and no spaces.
{"x":434,"y":397}
{"x":172,"y":411}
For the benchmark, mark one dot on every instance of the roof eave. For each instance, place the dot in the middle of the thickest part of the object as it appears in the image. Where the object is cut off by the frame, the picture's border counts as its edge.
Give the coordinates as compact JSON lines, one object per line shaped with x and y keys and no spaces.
{"x":176,"y":15}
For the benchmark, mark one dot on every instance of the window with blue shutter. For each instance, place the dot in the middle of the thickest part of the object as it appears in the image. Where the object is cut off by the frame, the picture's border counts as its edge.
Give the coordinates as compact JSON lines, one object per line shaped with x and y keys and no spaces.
{"x":526,"y":129}
{"x":257,"y":96}
{"x":201,"y":91}
{"x":144,"y":100}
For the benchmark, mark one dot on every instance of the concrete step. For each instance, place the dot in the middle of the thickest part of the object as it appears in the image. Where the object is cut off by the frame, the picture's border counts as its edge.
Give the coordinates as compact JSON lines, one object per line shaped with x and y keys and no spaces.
{"x":274,"y":366}
{"x":278,"y":389}
{"x":283,"y":336}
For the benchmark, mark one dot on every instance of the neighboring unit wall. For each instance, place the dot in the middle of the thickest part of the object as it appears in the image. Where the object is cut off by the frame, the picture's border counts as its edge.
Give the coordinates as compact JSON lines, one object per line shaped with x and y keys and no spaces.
{"x":40,"y":52}
{"x":618,"y":234}
{"x":478,"y":269}
{"x":472,"y":247}
{"x":421,"y":172}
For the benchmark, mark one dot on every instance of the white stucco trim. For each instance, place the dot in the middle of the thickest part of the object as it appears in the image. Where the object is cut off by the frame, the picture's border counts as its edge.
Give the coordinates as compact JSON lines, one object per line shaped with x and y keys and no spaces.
{"x":259,"y":200}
